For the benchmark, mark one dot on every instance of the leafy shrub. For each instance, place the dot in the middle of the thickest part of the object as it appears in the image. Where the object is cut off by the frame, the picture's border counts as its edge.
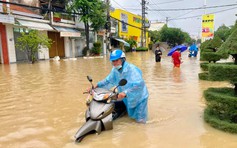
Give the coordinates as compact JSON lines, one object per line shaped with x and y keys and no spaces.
{"x":132,"y":43}
{"x":96,"y":49}
{"x":150,"y":45}
{"x":84,"y":51}
{"x":142,"y":49}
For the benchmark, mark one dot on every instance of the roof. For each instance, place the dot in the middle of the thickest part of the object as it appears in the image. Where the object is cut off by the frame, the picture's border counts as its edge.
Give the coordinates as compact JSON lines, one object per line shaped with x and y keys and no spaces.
{"x":21,"y":9}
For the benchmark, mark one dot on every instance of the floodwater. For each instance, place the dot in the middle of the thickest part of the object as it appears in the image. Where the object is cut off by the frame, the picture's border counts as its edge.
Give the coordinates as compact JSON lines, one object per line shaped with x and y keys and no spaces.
{"x":42,"y":105}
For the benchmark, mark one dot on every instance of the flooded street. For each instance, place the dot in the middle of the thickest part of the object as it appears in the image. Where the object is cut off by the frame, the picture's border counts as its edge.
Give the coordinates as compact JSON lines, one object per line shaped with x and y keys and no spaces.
{"x":42,"y":105}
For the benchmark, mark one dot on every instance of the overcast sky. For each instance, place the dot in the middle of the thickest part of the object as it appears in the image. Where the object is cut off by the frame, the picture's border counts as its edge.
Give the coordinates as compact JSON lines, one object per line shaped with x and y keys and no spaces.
{"x":188,"y":20}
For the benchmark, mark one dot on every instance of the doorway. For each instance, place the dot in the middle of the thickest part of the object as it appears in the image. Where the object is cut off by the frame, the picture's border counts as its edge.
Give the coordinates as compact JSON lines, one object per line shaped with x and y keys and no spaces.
{"x":57,"y":47}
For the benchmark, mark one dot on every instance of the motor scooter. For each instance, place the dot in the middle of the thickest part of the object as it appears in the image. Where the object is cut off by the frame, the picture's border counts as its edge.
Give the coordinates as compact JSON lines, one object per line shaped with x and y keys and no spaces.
{"x":191,"y":53}
{"x":99,"y":115}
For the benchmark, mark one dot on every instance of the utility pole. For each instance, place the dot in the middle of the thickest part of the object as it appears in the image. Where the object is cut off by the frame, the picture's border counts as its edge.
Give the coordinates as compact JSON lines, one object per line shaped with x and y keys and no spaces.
{"x":167,"y":20}
{"x":205,"y":5}
{"x":143,"y":32}
{"x":108,"y":27}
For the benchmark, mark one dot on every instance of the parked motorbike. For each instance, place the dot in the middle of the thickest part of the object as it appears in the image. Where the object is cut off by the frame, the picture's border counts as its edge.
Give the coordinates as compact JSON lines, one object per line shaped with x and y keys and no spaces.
{"x":100,"y":109}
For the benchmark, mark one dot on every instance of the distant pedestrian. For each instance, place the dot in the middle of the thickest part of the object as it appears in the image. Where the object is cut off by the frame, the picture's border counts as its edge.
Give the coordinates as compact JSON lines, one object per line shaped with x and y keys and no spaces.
{"x":158,"y":53}
{"x":176,"y":58}
{"x":193,"y":50}
{"x":133,"y":48}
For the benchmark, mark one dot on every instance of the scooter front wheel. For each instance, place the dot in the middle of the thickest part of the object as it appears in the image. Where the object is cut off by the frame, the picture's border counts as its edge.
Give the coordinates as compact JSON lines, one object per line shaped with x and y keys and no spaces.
{"x":78,"y":140}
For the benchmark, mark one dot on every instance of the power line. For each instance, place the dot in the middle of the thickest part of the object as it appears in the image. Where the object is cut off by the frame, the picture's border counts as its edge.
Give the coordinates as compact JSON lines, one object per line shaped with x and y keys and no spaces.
{"x":181,"y":9}
{"x":39,"y":8}
{"x":120,"y":5}
{"x":162,"y":13}
{"x":183,"y":14}
{"x":126,"y":23}
{"x":166,"y":2}
{"x":157,"y":3}
{"x":201,"y":14}
{"x":60,"y":11}
{"x":230,"y":5}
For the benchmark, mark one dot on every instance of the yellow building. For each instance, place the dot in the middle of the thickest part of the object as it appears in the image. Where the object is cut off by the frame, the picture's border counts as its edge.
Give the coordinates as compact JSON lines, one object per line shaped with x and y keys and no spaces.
{"x":131,"y":31}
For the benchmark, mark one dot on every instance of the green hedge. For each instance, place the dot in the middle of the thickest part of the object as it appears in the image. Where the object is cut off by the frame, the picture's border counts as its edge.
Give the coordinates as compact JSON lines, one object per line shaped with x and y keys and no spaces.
{"x":142,"y":49}
{"x":222,"y":103}
{"x":203,"y":76}
{"x":210,"y":56}
{"x":221,"y":111}
{"x":223,"y":72}
{"x":219,"y":123}
{"x":207,"y":50}
{"x":204,"y":66}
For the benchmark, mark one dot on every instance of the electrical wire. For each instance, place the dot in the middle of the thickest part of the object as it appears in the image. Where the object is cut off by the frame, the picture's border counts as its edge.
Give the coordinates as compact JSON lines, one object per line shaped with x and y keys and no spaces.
{"x":120,"y":5}
{"x":166,"y":2}
{"x":202,"y":14}
{"x":161,"y":13}
{"x":126,"y":23}
{"x":197,"y":8}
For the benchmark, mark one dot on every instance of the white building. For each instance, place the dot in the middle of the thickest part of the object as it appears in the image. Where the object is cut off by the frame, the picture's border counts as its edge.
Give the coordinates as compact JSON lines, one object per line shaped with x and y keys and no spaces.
{"x":156,"y":26}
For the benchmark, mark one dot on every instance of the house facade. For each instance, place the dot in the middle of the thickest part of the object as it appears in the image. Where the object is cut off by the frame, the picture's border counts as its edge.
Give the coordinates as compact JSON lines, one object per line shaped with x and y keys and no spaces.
{"x":18,"y":16}
{"x":131,"y":31}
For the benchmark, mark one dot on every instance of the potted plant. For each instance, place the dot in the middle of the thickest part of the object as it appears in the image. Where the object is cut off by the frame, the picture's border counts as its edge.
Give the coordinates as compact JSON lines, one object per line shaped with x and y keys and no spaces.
{"x":57,"y":17}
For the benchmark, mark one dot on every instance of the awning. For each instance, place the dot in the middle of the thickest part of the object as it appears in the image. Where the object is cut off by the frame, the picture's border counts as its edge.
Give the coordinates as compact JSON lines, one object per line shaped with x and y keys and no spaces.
{"x":7,"y":19}
{"x":35,"y":25}
{"x":67,"y":32}
{"x":125,"y":43}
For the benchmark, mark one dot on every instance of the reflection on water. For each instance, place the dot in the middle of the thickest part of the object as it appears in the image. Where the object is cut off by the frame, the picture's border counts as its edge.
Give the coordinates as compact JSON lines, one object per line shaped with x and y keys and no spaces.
{"x":42,"y":105}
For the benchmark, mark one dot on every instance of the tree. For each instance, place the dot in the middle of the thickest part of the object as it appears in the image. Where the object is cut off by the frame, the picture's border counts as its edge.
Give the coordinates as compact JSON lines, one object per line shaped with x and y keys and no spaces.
{"x":172,"y":36}
{"x":31,"y":42}
{"x":154,"y":35}
{"x":223,"y":32}
{"x":230,"y":46}
{"x":188,"y":39}
{"x":93,"y":14}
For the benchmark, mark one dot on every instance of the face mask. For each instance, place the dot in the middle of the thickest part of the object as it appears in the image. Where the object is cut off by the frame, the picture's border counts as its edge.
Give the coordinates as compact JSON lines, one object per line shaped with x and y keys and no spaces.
{"x":118,"y":67}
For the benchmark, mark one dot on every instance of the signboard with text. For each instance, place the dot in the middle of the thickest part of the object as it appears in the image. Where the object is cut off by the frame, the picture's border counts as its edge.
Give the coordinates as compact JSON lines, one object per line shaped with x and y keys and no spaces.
{"x":208,"y":26}
{"x":70,"y":34}
{"x":9,"y":19}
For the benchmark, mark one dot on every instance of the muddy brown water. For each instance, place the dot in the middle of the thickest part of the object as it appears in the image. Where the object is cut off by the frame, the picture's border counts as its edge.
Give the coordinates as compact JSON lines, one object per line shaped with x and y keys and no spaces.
{"x":42,"y":105}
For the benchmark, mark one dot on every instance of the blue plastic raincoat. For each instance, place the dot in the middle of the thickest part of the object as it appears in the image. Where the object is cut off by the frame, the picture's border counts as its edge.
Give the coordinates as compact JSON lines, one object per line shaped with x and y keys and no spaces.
{"x":193,"y":47}
{"x":193,"y":50}
{"x":135,"y":90}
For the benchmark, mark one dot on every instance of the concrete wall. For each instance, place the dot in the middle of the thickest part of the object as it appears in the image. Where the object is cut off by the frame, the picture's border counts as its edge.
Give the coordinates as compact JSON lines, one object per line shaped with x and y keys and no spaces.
{"x":78,"y":47}
{"x":67,"y":45}
{"x":43,"y":53}
{"x":10,"y":43}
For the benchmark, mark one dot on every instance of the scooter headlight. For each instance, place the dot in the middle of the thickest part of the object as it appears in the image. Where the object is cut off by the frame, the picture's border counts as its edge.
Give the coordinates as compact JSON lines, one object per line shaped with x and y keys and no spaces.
{"x":106,"y":96}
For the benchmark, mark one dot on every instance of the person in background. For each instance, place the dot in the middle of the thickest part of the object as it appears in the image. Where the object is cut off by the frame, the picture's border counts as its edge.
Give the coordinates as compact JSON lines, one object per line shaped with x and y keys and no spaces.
{"x":133,"y":96}
{"x":176,"y":58}
{"x":133,"y":48}
{"x":158,"y":53}
{"x":193,"y":50}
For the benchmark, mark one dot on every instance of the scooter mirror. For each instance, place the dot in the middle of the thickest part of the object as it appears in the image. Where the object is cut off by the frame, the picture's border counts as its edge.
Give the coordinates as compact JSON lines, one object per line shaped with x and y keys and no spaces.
{"x":122,"y":82}
{"x":89,"y":78}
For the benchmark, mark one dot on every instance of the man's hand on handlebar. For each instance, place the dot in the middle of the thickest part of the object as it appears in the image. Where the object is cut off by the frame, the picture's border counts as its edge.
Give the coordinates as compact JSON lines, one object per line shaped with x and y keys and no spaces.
{"x":88,"y":90}
{"x":121,"y":95}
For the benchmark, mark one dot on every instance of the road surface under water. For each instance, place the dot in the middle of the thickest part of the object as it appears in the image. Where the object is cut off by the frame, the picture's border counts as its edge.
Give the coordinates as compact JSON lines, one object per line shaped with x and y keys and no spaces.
{"x":42,"y":105}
